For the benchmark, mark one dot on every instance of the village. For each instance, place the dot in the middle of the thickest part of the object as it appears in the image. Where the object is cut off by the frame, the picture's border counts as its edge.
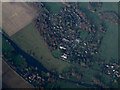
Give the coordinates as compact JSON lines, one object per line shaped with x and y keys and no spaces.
{"x":71,"y":32}
{"x":38,"y":78}
{"x":112,"y":69}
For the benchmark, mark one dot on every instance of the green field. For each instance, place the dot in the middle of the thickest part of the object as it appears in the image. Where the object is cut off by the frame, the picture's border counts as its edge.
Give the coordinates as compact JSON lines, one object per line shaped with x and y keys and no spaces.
{"x":109,"y":46}
{"x":30,"y":41}
{"x":53,"y":7}
{"x":109,"y":6}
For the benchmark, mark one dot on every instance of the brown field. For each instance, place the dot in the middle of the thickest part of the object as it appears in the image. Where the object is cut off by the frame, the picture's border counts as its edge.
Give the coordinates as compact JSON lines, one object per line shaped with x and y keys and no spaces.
{"x":10,"y":79}
{"x":16,"y":15}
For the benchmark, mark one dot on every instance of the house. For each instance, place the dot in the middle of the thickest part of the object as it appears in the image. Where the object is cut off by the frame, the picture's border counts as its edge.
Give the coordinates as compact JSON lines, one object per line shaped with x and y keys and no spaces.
{"x":64,"y":56}
{"x":66,"y":40}
{"x":77,"y":40}
{"x":62,"y":48}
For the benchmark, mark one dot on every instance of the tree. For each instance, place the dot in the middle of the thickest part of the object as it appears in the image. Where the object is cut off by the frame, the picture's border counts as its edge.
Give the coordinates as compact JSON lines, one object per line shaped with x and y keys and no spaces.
{"x":19,"y":62}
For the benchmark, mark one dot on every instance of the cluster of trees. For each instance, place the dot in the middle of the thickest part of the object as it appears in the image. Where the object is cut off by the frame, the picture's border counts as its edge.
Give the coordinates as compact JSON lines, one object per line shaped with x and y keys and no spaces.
{"x":12,"y":56}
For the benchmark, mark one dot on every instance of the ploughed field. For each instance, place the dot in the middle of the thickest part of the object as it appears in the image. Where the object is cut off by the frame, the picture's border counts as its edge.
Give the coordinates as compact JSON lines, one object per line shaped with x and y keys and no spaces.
{"x":16,"y":16}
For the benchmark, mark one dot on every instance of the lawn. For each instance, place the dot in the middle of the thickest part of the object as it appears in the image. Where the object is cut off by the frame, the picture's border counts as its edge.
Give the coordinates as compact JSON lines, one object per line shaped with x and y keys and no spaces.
{"x":29,"y":40}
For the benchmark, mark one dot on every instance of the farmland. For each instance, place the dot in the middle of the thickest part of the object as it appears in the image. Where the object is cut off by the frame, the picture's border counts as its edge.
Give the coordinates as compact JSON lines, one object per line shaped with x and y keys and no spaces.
{"x":16,"y":16}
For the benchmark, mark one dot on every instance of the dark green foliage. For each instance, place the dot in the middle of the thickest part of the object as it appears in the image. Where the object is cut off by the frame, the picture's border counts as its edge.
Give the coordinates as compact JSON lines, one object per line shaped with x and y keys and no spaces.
{"x":9,"y":53}
{"x":19,"y":62}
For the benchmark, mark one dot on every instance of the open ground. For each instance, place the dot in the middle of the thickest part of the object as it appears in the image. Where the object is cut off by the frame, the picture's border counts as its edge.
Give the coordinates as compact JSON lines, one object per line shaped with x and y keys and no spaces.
{"x":15,"y":16}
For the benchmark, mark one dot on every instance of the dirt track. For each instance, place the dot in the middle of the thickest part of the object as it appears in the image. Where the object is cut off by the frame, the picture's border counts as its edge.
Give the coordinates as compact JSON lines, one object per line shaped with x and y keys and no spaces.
{"x":16,"y":15}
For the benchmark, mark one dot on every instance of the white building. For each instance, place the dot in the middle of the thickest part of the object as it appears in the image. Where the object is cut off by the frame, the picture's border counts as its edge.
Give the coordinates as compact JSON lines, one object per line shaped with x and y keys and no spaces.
{"x":64,"y":56}
{"x":62,"y":48}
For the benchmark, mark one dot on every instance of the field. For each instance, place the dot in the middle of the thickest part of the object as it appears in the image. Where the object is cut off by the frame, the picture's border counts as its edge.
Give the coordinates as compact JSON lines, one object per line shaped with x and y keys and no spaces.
{"x":16,"y":16}
{"x":53,"y":7}
{"x":11,"y":79}
{"x":109,"y":47}
{"x":29,"y":40}
{"x":109,"y":6}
